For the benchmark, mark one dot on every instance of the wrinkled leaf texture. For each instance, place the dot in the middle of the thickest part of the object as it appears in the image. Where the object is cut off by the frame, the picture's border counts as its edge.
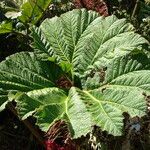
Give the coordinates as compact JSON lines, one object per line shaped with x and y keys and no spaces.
{"x":85,"y":40}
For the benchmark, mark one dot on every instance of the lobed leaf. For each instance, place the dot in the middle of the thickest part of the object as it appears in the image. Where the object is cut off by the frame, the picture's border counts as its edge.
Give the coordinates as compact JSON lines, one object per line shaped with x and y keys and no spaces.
{"x":129,"y":74}
{"x":84,"y":109}
{"x":88,"y":108}
{"x":28,"y":103}
{"x":121,"y":91}
{"x":84,"y":39}
{"x":82,"y":42}
{"x":23,"y":72}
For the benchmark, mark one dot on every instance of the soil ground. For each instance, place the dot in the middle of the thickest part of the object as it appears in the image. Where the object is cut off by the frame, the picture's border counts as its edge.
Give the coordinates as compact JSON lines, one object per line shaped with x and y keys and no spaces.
{"x":14,"y":135}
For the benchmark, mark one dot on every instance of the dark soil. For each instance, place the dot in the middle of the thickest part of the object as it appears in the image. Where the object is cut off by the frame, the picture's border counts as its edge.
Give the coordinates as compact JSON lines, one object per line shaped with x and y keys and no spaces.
{"x":11,"y":44}
{"x":14,"y":135}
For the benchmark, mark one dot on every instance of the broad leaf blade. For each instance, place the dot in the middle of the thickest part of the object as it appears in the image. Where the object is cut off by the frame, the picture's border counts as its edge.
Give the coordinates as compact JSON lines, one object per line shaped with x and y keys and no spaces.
{"x":103,"y":109}
{"x":129,"y":74}
{"x":29,"y":103}
{"x":82,"y":109}
{"x":105,"y":39}
{"x":126,"y":82}
{"x":48,"y":114}
{"x":23,"y":72}
{"x":103,"y":106}
{"x":63,"y":33}
{"x":85,"y":39}
{"x":121,"y":68}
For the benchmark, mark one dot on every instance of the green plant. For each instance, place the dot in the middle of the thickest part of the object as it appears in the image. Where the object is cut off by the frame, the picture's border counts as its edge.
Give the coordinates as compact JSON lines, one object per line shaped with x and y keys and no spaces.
{"x":28,"y":11}
{"x":20,"y":14}
{"x":16,"y":18}
{"x":85,"y":69}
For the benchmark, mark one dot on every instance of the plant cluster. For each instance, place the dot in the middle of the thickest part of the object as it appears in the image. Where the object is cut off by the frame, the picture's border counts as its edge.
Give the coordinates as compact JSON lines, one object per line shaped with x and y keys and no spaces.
{"x":87,"y":77}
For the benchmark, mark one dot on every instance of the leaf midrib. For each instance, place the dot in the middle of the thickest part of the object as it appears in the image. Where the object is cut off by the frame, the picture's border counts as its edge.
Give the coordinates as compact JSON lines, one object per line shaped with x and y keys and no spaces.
{"x":99,"y":102}
{"x":80,"y":38}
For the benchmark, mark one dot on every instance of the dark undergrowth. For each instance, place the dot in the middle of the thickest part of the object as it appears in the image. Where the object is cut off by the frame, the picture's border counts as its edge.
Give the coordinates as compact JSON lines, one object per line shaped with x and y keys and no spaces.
{"x":14,"y":135}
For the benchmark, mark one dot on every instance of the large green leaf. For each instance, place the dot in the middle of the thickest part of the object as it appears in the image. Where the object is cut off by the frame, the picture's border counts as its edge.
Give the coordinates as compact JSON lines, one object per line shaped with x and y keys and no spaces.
{"x":47,"y":105}
{"x":122,"y":72}
{"x":129,"y":74}
{"x":104,"y":109}
{"x":82,"y":109}
{"x":51,"y":104}
{"x":115,"y":77}
{"x":84,"y":39}
{"x":85,"y":109}
{"x":127,"y":79}
{"x":28,"y":103}
{"x":23,"y":72}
